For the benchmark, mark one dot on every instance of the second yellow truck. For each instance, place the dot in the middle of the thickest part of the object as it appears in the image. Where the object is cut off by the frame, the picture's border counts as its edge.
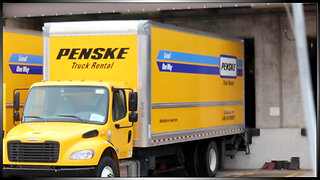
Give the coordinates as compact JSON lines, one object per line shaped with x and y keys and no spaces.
{"x":22,"y":66}
{"x":122,"y":98}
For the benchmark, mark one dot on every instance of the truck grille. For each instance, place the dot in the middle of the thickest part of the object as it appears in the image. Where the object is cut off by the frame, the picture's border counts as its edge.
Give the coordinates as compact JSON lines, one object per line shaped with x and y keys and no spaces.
{"x":33,"y":152}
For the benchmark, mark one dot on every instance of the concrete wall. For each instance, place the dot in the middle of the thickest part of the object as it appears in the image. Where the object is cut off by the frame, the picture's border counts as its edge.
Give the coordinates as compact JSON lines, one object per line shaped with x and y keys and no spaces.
{"x":292,"y":110}
{"x":24,"y":23}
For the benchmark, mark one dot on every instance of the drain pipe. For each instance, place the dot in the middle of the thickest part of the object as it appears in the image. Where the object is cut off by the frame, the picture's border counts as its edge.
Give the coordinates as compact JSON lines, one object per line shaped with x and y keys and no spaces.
{"x":305,"y":80}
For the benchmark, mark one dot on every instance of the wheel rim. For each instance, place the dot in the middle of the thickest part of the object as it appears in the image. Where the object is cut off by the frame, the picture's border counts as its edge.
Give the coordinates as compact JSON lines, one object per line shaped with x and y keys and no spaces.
{"x":212,"y":159}
{"x":107,"y":172}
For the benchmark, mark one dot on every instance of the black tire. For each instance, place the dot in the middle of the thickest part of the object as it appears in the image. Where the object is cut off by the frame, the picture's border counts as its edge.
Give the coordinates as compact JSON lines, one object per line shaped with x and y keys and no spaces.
{"x":222,"y":153}
{"x":208,"y":158}
{"x":191,"y":159}
{"x":106,"y":168}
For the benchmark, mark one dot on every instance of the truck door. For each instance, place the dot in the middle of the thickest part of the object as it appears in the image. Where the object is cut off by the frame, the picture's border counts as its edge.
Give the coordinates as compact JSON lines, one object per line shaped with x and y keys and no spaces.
{"x":121,"y":128}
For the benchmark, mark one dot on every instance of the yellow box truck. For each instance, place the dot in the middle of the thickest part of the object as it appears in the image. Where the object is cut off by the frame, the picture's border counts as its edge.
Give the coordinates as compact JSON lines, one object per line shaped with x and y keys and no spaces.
{"x":22,"y":66}
{"x":123,"y":98}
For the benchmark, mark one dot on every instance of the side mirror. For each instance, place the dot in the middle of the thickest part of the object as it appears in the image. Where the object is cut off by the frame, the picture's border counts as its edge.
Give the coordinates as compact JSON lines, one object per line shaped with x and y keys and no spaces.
{"x":16,"y":116}
{"x":16,"y":101}
{"x":133,"y":117}
{"x":133,"y":101}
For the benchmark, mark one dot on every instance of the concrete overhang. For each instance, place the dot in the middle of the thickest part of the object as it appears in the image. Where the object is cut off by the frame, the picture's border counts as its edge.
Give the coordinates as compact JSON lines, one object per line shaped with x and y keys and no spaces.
{"x":16,"y":10}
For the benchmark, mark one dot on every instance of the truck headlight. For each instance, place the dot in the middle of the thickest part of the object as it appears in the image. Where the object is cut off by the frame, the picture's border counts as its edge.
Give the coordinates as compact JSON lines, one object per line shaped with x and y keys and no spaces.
{"x":84,"y":154}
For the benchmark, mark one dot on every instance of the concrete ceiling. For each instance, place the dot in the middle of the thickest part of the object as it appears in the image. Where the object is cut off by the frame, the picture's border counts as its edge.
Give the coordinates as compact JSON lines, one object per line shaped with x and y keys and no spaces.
{"x":13,"y":10}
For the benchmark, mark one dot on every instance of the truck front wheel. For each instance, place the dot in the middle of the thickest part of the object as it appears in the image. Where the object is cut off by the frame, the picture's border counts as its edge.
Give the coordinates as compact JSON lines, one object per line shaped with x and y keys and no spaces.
{"x":106,"y":168}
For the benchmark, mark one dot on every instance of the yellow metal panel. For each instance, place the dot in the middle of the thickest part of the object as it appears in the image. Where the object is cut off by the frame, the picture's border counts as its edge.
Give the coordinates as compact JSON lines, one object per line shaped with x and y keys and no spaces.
{"x":26,"y":46}
{"x":186,"y":68}
{"x":94,"y":58}
{"x":69,"y":138}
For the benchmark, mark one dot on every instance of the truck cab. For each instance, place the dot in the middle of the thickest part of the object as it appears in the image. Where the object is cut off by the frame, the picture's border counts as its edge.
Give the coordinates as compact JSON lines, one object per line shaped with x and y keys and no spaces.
{"x":84,"y":125}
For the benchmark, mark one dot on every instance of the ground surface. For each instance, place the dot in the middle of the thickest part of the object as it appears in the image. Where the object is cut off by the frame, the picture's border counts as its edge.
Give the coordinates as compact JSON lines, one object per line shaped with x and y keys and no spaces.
{"x":181,"y":172}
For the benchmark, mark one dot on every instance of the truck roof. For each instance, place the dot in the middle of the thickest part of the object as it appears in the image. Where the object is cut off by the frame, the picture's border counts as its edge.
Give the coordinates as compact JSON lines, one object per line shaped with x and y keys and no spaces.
{"x":93,"y":27}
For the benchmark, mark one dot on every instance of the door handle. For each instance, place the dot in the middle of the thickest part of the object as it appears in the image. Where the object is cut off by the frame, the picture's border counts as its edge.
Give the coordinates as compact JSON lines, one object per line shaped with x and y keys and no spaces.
{"x":129,"y":136}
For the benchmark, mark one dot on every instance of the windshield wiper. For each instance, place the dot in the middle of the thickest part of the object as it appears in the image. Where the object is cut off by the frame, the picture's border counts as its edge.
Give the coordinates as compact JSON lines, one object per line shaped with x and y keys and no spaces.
{"x":72,"y":116}
{"x":37,"y":117}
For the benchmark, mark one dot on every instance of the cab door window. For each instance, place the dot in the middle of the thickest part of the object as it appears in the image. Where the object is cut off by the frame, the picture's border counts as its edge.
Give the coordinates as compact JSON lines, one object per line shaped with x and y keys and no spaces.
{"x":119,"y":109}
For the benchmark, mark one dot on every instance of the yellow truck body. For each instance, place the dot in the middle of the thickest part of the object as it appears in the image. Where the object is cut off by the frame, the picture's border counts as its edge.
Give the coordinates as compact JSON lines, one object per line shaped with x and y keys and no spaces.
{"x":190,"y":87}
{"x":22,"y":66}
{"x":189,"y":94}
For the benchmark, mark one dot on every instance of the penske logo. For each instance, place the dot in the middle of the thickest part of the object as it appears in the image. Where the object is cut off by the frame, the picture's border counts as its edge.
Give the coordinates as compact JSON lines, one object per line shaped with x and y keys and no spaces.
{"x":92,"y":53}
{"x":228,"y":66}
{"x":77,"y":54}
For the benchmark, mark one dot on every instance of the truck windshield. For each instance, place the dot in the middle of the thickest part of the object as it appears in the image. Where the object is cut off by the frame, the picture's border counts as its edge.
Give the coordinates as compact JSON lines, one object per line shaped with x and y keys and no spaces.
{"x":66,"y":104}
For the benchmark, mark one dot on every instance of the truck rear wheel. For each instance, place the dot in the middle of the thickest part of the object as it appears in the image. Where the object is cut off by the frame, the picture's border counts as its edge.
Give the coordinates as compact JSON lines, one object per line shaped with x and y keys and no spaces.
{"x":106,"y":168}
{"x":208,"y":159}
{"x":191,"y":160}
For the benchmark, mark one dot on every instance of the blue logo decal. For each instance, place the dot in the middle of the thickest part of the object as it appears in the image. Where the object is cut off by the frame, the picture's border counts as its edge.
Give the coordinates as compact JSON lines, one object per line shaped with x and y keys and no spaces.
{"x":187,"y":57}
{"x":21,"y":63}
{"x":26,"y":58}
{"x":187,"y":68}
{"x":239,"y":63}
{"x":225,"y":66}
{"x":25,"y":69}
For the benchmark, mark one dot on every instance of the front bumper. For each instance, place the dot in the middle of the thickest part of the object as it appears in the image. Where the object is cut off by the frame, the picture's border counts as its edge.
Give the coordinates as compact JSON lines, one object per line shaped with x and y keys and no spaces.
{"x":47,"y":171}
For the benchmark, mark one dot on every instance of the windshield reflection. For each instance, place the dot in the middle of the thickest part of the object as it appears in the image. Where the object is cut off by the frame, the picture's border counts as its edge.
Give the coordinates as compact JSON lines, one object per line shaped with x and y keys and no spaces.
{"x":67,"y":104}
